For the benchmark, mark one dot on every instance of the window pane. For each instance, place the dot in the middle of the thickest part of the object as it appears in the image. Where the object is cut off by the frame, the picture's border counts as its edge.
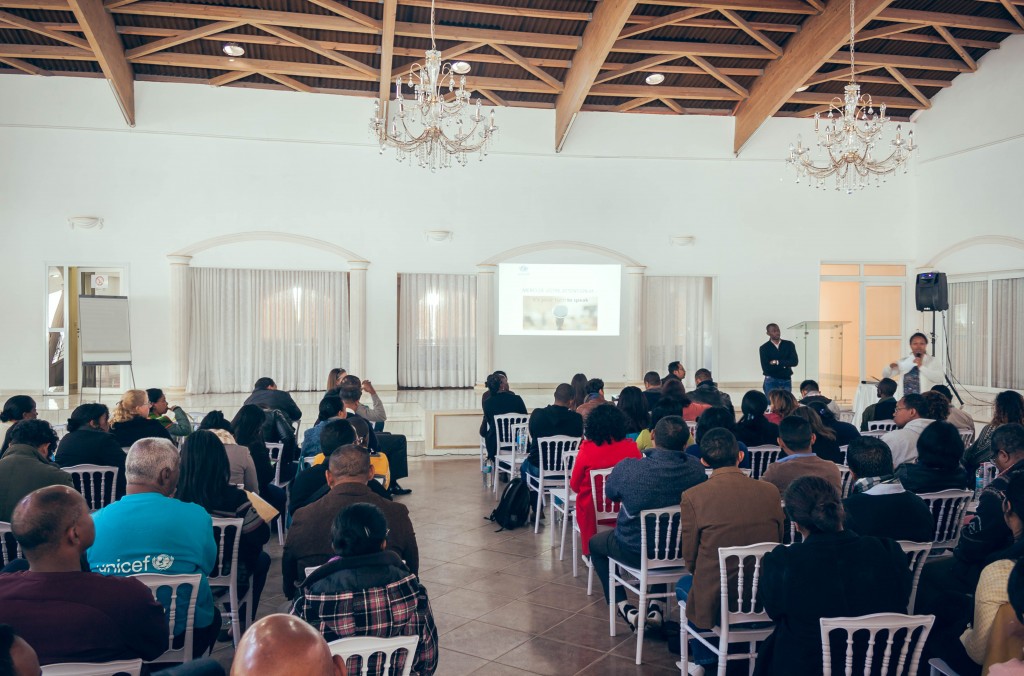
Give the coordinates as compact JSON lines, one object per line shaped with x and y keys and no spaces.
{"x":1007,"y":334}
{"x":885,"y":270}
{"x":968,"y":331}
{"x":55,"y":298}
{"x":880,"y":353}
{"x":882,"y":310}
{"x":845,"y":270}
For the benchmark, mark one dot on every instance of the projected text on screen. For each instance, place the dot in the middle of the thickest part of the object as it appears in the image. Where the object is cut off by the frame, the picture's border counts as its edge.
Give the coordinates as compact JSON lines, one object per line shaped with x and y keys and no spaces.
{"x":558,"y":300}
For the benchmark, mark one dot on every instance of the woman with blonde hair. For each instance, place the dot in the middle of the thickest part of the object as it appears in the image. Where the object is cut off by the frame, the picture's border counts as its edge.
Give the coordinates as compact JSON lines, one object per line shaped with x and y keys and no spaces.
{"x":334,"y":379}
{"x":783,"y":404}
{"x":129,"y":421}
{"x":825,"y":444}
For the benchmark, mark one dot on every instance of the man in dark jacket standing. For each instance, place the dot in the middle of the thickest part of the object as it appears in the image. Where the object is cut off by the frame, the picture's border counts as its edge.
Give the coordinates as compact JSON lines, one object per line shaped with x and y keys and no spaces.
{"x":266,"y":395}
{"x":778,"y":357}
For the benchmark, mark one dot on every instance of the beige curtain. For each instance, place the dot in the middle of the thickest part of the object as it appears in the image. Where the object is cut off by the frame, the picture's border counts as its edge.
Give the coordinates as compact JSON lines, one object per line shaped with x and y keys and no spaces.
{"x":1008,"y":333}
{"x":677,"y":322}
{"x":436,"y":330}
{"x":967,"y":335}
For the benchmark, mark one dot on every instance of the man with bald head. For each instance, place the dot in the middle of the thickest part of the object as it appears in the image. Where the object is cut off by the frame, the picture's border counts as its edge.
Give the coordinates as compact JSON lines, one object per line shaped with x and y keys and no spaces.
{"x":309,"y":538}
{"x":66,"y":614}
{"x":283,"y":645}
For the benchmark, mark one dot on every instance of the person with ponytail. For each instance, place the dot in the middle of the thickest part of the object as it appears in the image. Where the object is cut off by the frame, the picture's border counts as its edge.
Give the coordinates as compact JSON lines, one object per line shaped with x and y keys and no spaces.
{"x":130,"y":420}
{"x":17,"y":408}
{"x":833,"y":572}
{"x":89,"y":442}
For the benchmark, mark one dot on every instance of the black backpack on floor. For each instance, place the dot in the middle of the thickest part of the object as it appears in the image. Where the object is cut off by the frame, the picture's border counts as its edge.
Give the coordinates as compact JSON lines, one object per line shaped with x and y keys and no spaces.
{"x":513,"y":510}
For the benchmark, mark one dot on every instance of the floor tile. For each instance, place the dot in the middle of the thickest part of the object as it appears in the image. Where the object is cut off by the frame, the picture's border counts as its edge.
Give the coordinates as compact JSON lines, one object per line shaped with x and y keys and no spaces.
{"x":550,"y":658}
{"x":452,"y":663}
{"x":559,"y":596}
{"x":506,"y":584}
{"x":469,"y":603}
{"x":486,"y":640}
{"x":445,"y":622}
{"x":588,"y":632}
{"x":526,"y":617}
{"x":487,"y":558}
{"x":453,"y":574}
{"x":495,"y":669}
{"x":612,"y":665}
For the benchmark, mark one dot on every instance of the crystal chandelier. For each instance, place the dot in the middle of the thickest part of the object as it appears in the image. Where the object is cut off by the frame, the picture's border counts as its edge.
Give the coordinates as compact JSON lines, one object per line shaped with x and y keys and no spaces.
{"x":436,"y":126}
{"x":850,"y":132}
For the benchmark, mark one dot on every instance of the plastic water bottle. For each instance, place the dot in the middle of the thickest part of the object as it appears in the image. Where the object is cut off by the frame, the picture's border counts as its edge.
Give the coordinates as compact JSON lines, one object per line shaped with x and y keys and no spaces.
{"x":979,"y":483}
{"x":486,"y":473}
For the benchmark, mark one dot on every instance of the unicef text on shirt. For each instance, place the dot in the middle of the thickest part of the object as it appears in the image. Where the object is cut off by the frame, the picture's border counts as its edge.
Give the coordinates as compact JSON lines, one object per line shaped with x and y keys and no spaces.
{"x":161,"y":562}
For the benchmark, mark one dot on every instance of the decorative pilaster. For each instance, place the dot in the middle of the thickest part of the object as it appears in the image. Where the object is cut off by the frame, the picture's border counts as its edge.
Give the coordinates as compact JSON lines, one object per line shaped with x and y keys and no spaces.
{"x":357,"y":317}
{"x":485,"y":324}
{"x":633,"y":304}
{"x":181,"y":316}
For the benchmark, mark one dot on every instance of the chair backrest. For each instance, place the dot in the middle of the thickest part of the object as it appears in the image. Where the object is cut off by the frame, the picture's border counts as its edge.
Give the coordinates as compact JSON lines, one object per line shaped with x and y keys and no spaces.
{"x":917,"y":554}
{"x":881,"y":425}
{"x":552,"y":450}
{"x":568,"y":460}
{"x":366,"y":646}
{"x":967,"y":436}
{"x":661,"y":538}
{"x":128,"y":667}
{"x":842,"y":452}
{"x":174,"y":604}
{"x":9,"y":547}
{"x":506,"y":426}
{"x":761,"y":457}
{"x":846,"y":416}
{"x":948,"y":509}
{"x":60,"y":430}
{"x":911,"y":630}
{"x":604,"y":508}
{"x":742,"y":589}
{"x":845,"y":480}
{"x":309,"y":570}
{"x":96,"y":483}
{"x":275,"y":448}
{"x":226,"y":533}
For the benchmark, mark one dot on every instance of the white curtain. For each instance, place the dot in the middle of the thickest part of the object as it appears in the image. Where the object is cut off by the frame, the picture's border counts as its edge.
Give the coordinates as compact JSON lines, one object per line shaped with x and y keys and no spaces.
{"x":289,"y":325}
{"x":436,"y":330}
{"x":968,"y":331}
{"x":1007,"y":333}
{"x":677,"y":322}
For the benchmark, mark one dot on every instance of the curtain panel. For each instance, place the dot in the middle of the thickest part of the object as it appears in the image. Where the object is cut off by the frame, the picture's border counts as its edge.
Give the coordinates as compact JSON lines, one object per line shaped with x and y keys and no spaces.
{"x":968,"y":331}
{"x":1007,"y":333}
{"x":290,"y":325}
{"x":677,"y":322}
{"x":436,"y":330}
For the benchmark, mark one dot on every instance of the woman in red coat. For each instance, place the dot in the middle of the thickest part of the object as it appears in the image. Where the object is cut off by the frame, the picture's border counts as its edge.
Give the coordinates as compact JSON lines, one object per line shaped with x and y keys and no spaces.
{"x":605,"y":445}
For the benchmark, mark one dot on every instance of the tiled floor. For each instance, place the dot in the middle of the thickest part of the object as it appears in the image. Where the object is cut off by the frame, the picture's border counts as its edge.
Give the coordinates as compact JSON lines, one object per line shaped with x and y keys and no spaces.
{"x":503,"y":602}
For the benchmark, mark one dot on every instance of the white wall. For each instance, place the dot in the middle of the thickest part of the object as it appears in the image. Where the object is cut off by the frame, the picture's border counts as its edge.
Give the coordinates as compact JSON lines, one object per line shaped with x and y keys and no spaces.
{"x":206,"y":162}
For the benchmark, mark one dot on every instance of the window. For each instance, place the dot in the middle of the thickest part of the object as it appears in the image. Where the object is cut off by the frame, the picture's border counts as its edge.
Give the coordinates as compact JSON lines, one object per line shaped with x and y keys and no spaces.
{"x":436,"y":330}
{"x":983,"y":330}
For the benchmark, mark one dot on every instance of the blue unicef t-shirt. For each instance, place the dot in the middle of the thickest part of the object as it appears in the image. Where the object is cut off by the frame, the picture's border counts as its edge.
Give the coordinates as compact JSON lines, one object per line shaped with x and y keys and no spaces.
{"x":151,"y":533}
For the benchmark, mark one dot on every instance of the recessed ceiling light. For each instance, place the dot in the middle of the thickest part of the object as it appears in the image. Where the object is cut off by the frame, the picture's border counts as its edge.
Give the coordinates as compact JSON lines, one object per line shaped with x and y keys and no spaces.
{"x":460,"y":67}
{"x":655,"y":79}
{"x":804,"y":88}
{"x":233,"y":49}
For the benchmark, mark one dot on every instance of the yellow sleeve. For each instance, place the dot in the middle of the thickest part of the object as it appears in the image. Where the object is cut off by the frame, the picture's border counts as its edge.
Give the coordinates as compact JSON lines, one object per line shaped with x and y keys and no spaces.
{"x":643,"y":441}
{"x":990,"y":594}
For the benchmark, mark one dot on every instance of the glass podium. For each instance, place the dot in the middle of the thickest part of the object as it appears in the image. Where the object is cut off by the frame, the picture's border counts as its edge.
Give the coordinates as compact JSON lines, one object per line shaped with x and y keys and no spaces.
{"x":820,"y":348}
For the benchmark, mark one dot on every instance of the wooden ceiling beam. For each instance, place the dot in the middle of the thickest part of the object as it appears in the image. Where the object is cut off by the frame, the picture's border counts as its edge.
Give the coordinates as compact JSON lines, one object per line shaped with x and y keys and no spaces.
{"x":744,"y":26}
{"x":1014,"y":13}
{"x":957,"y":47}
{"x":490,"y":36}
{"x":949,"y":20}
{"x":523,"y":63}
{"x":456,"y":51}
{"x":634,"y":103}
{"x":806,"y":51}
{"x":35,"y":27}
{"x":45,"y":52}
{"x":838,"y":74}
{"x":909,"y":86}
{"x":660,"y":21}
{"x":822,"y":98}
{"x":919,"y":62}
{"x":935,"y":40}
{"x":503,"y":10}
{"x":817,"y":4}
{"x":349,"y":13}
{"x":689,"y":48}
{"x":254,"y":16}
{"x":885,"y":31}
{"x":228,"y":77}
{"x":673,"y":106}
{"x":492,"y":97}
{"x":289,"y":82}
{"x":720,"y":76}
{"x":598,"y":38}
{"x":634,"y":67}
{"x":98,"y":27}
{"x":26,"y":67}
{"x":180,"y":38}
{"x":691,"y":93}
{"x":305,"y":43}
{"x":58,"y":5}
{"x":387,"y":54}
{"x":775,"y":6}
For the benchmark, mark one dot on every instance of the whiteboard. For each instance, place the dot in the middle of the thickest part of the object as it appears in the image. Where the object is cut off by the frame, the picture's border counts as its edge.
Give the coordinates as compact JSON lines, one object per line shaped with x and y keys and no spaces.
{"x":103,"y":330}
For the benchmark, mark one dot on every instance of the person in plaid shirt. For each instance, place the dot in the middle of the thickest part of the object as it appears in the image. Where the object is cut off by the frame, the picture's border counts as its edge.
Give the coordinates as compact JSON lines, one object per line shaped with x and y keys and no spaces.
{"x":367,"y":590}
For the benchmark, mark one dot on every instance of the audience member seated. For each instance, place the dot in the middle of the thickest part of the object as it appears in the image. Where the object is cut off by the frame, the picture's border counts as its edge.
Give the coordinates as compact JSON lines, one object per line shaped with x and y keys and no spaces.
{"x":579,"y":390}
{"x":633,"y":405}
{"x":181,"y":426}
{"x":129,"y":422}
{"x":810,"y":393}
{"x":487,"y":393}
{"x":283,"y":645}
{"x":844,"y":432}
{"x":66,"y":614}
{"x":833,"y":573}
{"x":652,"y":389}
{"x":500,"y":402}
{"x":937,"y":406}
{"x":910,"y":416}
{"x":717,"y":417}
{"x":1008,"y":408}
{"x":707,"y":392}
{"x":247,"y":428}
{"x":729,"y":510}
{"x":331,"y":408}
{"x":204,"y":480}
{"x":278,"y":429}
{"x":16,"y":656}
{"x":879,"y":505}
{"x":553,"y":420}
{"x":782,"y":404}
{"x":266,"y":395}
{"x":17,"y":408}
{"x":89,"y":442}
{"x":797,"y":459}
{"x":605,"y":445}
{"x":674,"y":391}
{"x":350,"y":393}
{"x":309,"y":541}
{"x":1009,"y":641}
{"x":377,"y":414}
{"x":654,"y":481}
{"x":825,"y":444}
{"x":215,"y":420}
{"x":243,"y":470}
{"x":884,"y":408}
{"x":366,"y":589}
{"x":148,"y":531}
{"x":958,"y":417}
{"x":25,"y":467}
{"x":334,"y":378}
{"x":311,"y":484}
{"x":664,"y":408}
{"x":594,"y":397}
{"x":754,"y":429}
{"x":939,"y":449}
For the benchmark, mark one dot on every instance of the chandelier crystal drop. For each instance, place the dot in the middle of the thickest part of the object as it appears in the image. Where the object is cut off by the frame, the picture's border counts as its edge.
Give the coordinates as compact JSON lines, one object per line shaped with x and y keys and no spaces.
{"x":848,"y":139}
{"x":440,"y":122}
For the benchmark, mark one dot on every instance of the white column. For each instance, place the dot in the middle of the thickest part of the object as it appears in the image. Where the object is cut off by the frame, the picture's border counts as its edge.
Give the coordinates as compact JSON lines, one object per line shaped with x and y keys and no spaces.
{"x":357,"y":317}
{"x":633,"y":305}
{"x":485,"y":324}
{"x":181,"y":313}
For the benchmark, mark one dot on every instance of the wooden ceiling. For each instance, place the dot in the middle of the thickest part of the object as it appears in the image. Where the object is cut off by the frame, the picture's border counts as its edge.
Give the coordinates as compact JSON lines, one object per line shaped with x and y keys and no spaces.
{"x":749,"y":58}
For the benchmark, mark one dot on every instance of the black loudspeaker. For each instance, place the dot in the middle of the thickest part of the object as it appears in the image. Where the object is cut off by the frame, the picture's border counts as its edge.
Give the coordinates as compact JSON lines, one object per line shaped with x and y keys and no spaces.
{"x":931,"y":293}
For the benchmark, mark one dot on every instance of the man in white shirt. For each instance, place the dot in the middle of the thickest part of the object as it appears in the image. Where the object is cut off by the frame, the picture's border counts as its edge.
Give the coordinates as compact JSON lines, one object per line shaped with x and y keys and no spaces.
{"x":909,"y":416}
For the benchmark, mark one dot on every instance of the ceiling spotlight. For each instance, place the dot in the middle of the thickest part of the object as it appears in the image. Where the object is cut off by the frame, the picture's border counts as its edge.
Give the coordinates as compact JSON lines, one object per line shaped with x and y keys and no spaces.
{"x":233,"y":49}
{"x":460,"y":67}
{"x":655,"y":79}
{"x":804,"y":88}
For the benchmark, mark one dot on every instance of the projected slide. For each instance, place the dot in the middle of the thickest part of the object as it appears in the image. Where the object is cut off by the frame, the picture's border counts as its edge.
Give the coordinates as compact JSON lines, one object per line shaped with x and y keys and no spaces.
{"x":558,"y":300}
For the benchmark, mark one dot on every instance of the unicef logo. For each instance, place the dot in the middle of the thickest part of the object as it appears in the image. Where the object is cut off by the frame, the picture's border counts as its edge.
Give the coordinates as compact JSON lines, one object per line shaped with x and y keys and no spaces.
{"x":163,"y":561}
